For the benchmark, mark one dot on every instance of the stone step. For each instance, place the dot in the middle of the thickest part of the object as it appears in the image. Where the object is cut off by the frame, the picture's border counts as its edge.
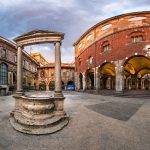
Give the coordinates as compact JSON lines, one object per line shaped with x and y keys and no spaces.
{"x":38,"y":130}
{"x":42,"y":122}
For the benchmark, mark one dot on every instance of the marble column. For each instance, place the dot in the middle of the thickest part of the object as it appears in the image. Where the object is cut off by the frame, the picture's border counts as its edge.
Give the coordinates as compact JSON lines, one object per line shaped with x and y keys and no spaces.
{"x":58,"y":83}
{"x":19,"y":72}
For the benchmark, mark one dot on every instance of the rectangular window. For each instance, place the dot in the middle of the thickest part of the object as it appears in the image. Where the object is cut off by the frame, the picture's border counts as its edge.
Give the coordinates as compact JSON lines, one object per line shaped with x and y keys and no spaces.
{"x":106,"y":48}
{"x":3,"y":53}
{"x":15,"y":58}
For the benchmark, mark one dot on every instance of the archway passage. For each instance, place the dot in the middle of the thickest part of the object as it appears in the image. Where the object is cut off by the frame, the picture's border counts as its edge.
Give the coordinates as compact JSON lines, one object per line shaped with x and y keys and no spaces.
{"x":107,"y":76}
{"x":42,"y":86}
{"x":80,"y":81}
{"x":51,"y":85}
{"x":90,"y":79}
{"x":70,"y":85}
{"x":136,"y":73}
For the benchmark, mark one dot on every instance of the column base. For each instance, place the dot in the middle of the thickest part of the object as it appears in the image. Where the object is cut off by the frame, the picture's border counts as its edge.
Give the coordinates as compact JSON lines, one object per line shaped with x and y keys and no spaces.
{"x":119,"y":93}
{"x":58,"y":94}
{"x":19,"y":93}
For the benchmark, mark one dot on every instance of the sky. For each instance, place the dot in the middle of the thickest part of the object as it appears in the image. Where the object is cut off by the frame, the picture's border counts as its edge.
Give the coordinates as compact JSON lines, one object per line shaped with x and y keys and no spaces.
{"x":72,"y":17}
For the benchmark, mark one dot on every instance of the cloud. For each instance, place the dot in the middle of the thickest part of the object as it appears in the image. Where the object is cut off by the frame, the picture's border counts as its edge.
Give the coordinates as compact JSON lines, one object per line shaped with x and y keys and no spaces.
{"x":73,"y":17}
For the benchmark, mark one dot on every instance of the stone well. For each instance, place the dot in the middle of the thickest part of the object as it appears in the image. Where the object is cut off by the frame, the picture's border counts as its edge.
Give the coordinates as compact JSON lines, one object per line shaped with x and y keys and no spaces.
{"x":38,"y":115}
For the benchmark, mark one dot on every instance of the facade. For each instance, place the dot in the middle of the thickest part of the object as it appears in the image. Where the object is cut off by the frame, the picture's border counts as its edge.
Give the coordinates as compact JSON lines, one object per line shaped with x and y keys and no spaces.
{"x":46,"y":76}
{"x":8,"y":64}
{"x":115,"y":54}
{"x":39,"y":58}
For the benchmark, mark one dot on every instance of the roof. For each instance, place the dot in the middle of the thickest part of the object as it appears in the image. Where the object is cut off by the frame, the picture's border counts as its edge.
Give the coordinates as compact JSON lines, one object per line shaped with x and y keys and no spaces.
{"x":38,"y":32}
{"x":109,"y":19}
{"x":8,"y":42}
{"x":51,"y":65}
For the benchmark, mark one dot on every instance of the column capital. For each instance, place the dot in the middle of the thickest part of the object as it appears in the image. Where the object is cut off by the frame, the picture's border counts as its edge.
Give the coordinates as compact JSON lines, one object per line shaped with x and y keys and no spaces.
{"x":58,"y":42}
{"x":20,"y":46}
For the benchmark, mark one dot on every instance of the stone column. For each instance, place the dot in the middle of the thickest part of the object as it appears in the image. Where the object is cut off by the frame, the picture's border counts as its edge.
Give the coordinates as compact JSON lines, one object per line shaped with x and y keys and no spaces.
{"x":119,"y":77}
{"x":84,"y":82}
{"x":19,"y":72}
{"x":97,"y":80}
{"x":58,"y":84}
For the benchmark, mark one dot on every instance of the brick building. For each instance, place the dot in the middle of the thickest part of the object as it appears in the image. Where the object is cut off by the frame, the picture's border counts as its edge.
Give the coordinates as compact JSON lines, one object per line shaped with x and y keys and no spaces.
{"x":8,"y":64}
{"x":115,"y":54}
{"x":46,"y":73}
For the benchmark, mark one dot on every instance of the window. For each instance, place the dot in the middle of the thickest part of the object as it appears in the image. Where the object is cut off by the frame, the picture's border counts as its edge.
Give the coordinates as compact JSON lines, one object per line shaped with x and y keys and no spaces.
{"x":15,"y":58}
{"x":106,"y":48}
{"x":23,"y":62}
{"x":42,"y":74}
{"x":3,"y":53}
{"x":52,"y":74}
{"x":135,"y":39}
{"x":67,"y":74}
{"x":90,"y":60}
{"x":3,"y":73}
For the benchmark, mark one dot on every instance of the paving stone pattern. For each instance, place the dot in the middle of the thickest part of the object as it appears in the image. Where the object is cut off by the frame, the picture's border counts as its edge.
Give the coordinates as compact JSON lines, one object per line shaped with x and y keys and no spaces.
{"x":96,"y":123}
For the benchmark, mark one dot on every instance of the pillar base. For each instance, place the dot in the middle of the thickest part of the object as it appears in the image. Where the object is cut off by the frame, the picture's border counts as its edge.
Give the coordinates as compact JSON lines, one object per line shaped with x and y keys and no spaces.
{"x":119,"y":93}
{"x":19,"y":93}
{"x":58,"y":94}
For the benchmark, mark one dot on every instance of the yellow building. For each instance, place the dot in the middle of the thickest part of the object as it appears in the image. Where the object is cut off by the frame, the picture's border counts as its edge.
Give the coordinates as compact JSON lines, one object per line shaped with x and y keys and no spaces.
{"x":39,"y":58}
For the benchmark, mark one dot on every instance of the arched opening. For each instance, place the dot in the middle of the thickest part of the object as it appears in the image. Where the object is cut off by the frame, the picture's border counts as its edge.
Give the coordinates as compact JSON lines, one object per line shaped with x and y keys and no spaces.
{"x":80,"y":81}
{"x":63,"y":85}
{"x":90,"y":79}
{"x":136,"y":71}
{"x":42,"y":86}
{"x":107,"y":76}
{"x":70,"y":85}
{"x":51,"y":85}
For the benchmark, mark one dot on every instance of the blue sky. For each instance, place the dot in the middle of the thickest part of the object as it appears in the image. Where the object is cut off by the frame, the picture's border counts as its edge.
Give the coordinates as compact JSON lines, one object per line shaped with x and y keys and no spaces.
{"x":73,"y":17}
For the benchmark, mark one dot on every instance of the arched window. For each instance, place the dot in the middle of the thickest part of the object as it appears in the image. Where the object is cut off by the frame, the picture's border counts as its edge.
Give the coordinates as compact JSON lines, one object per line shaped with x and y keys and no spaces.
{"x":90,"y":60}
{"x":135,"y":39}
{"x":137,"y":36}
{"x":3,"y":73}
{"x":105,"y":46}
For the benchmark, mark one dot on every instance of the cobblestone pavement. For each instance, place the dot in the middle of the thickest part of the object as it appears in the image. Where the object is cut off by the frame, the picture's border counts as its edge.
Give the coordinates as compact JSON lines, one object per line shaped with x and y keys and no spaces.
{"x":96,"y":123}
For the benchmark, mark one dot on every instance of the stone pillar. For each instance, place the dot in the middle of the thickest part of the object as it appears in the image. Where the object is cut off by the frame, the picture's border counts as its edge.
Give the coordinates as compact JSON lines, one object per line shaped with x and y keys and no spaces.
{"x":58,"y":84}
{"x":84,"y":82}
{"x":47,"y":87}
{"x":119,"y":77}
{"x":19,"y":72}
{"x":97,"y":80}
{"x":76,"y":82}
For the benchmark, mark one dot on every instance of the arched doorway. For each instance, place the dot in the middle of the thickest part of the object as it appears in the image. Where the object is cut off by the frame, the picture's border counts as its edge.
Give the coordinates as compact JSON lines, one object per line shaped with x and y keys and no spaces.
{"x":90,"y":79}
{"x":136,"y":70}
{"x":80,"y":81}
{"x":107,"y":76}
{"x":42,"y":86}
{"x":70,"y":85}
{"x":51,"y":85}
